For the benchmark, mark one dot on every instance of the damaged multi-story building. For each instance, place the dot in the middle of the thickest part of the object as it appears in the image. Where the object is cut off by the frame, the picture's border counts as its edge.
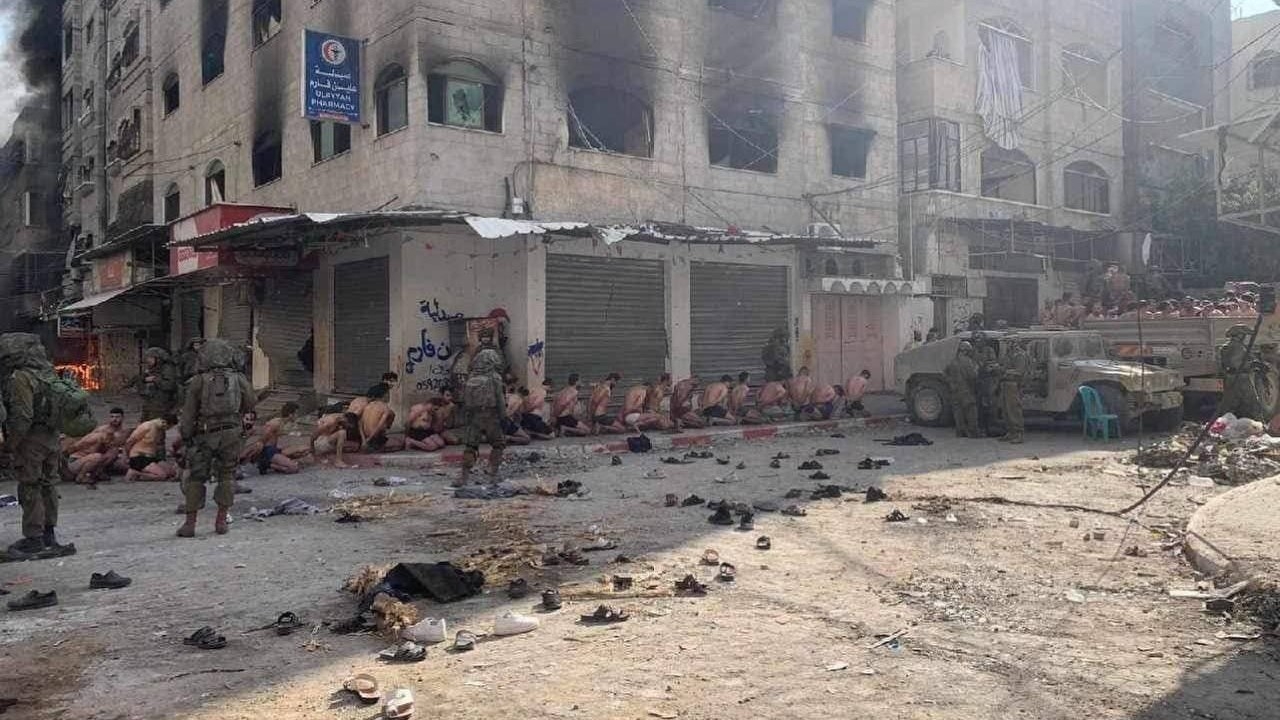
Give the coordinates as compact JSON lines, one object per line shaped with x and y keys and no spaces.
{"x":641,"y":186}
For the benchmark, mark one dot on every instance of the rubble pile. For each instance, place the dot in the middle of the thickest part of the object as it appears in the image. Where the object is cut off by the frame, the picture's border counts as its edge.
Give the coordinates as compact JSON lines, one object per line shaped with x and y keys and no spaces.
{"x":1236,"y":452}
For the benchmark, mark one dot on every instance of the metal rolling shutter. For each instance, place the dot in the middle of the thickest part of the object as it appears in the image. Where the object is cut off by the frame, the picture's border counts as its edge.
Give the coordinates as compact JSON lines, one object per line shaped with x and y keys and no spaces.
{"x":735,"y":309}
{"x":361,"y":324}
{"x":236,"y":320}
{"x":605,"y":315}
{"x":191,"y":305}
{"x":284,"y":321}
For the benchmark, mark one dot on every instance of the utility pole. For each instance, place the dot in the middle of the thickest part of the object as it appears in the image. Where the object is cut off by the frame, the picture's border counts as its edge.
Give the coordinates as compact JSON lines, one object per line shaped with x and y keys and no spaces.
{"x":103,"y":107}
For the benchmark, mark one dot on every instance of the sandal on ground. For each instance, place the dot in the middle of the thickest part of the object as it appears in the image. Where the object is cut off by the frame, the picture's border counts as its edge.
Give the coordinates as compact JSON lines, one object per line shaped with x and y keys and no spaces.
{"x":875,"y":494}
{"x":109,"y":581}
{"x":723,"y":461}
{"x":465,"y":641}
{"x":896,"y":516}
{"x":34,"y":600}
{"x":728,"y":573}
{"x":398,"y":705}
{"x":406,"y":652}
{"x":574,"y":557}
{"x":605,"y":615}
{"x":600,"y":543}
{"x":782,"y":456}
{"x":794,"y":511}
{"x":195,"y":637}
{"x":287,"y":624}
{"x":363,"y":686}
{"x":867,"y":464}
{"x":722,"y":516}
{"x":699,"y":455}
{"x":690,"y":586}
{"x":551,"y":599}
{"x":206,"y":638}
{"x":764,"y":543}
{"x":691,"y":501}
{"x":710,"y":557}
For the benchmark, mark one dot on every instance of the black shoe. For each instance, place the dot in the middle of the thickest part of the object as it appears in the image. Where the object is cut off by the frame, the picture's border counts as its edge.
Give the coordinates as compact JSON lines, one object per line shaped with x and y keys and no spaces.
{"x":691,"y":501}
{"x":26,"y":547}
{"x":551,"y":599}
{"x":794,"y":493}
{"x":616,"y":461}
{"x":747,"y":522}
{"x":722,"y":516}
{"x":896,"y":516}
{"x":811,"y":465}
{"x":826,"y":451}
{"x":110,"y":581}
{"x":775,"y":464}
{"x":57,"y":551}
{"x":819,"y":476}
{"x":826,"y":492}
{"x":34,"y":600}
{"x":867,"y":464}
{"x":518,"y":588}
{"x":875,"y":494}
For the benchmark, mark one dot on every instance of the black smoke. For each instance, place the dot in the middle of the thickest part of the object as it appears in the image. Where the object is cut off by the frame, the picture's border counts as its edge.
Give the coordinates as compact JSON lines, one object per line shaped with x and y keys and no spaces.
{"x":40,"y":43}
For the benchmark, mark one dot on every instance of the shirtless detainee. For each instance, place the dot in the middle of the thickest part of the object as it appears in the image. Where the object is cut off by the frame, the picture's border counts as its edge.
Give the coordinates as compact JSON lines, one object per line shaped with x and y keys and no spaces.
{"x":854,"y":390}
{"x":682,"y":412}
{"x":375,"y":423}
{"x":510,"y":421}
{"x":533,"y":416}
{"x":564,"y":410}
{"x":146,"y":452}
{"x":91,"y":455}
{"x":827,"y":402}
{"x":336,"y":433}
{"x":419,"y":431}
{"x":715,"y":403}
{"x":800,"y":388}
{"x":447,"y":422}
{"x":642,"y":406}
{"x":738,"y":396}
{"x":601,"y":396}
{"x":772,"y":404}
{"x":268,"y":455}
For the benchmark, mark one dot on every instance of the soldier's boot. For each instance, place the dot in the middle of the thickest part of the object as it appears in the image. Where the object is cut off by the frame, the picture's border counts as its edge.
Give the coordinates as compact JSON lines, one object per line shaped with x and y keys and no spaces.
{"x":188,"y":529}
{"x":468,"y":461}
{"x":220,"y":524}
{"x":26,"y":547}
{"x":495,"y":461}
{"x":53,"y":547}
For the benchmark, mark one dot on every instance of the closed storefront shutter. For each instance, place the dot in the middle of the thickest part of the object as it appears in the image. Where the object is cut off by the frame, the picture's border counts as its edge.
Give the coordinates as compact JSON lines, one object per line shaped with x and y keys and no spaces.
{"x":734,"y":311}
{"x":191,"y":305}
{"x":236,"y":323}
{"x":361,"y":324}
{"x":284,"y":324}
{"x":603,"y":316}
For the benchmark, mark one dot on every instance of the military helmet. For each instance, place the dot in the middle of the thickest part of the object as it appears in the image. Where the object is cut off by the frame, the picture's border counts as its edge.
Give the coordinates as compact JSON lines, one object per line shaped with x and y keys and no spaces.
{"x":966,"y":348}
{"x":18,"y":350}
{"x":218,"y":353}
{"x":1239,"y":330}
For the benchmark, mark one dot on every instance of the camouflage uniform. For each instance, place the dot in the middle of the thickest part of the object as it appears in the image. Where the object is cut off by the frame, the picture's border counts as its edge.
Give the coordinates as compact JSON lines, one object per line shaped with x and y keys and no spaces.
{"x":1016,"y":365}
{"x":484,"y":407}
{"x":212,"y":434}
{"x":159,"y":396}
{"x":989,"y":374}
{"x":1239,"y":383}
{"x":962,"y":380}
{"x":32,"y":441}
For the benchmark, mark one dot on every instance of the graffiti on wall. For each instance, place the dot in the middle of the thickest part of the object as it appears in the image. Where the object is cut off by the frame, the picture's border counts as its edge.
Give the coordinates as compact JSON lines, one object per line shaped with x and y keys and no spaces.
{"x":431,"y":351}
{"x":537,"y":359}
{"x":433,"y":379}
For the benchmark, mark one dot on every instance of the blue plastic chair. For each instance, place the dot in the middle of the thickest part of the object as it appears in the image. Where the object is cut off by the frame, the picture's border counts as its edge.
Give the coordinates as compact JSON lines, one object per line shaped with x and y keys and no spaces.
{"x":1097,"y":421}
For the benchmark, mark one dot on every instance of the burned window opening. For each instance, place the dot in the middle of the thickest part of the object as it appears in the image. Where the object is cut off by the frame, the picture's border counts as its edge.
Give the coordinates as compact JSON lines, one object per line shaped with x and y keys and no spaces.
{"x":132,"y":44}
{"x":1087,"y":187}
{"x":213,"y":40}
{"x":68,"y":41}
{"x":215,"y":183}
{"x":462,"y":93}
{"x":267,"y":18}
{"x":749,"y":9}
{"x":129,"y":135}
{"x":268,"y":158}
{"x":391,"y":92}
{"x":172,"y":93}
{"x":329,"y":139}
{"x":850,"y":148}
{"x":743,"y":140}
{"x":172,"y":203}
{"x":849,"y":19}
{"x":606,"y":119}
{"x":1008,"y":175}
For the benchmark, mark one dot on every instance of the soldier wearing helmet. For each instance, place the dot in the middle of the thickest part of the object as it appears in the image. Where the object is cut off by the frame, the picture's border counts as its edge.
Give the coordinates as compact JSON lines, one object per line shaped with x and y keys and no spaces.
{"x":1239,"y":382}
{"x":962,"y":383}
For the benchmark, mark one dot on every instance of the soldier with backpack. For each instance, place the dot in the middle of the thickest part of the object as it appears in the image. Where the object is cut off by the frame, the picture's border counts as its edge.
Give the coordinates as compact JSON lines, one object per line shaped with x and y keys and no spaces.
{"x":216,"y":399}
{"x":484,"y":405}
{"x":159,"y":385}
{"x":40,"y":406}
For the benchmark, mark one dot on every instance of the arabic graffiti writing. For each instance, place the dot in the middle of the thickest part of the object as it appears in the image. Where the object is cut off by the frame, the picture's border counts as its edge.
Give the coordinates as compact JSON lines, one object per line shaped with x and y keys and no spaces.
{"x":537,"y":359}
{"x":435,"y":379}
{"x":426,"y":350}
{"x":431,"y":310}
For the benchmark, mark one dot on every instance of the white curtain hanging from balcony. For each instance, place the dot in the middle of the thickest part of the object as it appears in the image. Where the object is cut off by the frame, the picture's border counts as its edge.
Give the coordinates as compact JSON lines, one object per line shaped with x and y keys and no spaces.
{"x":999,"y":99}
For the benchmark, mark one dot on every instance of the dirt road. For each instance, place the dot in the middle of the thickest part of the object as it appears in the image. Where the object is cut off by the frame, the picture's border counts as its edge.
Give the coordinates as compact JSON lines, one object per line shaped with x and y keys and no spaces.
{"x":1008,"y":612}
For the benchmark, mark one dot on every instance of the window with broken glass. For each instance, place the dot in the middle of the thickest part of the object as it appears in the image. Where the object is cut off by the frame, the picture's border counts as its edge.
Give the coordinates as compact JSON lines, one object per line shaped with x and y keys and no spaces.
{"x":391,"y":93}
{"x":1087,"y":187}
{"x":745,"y":140}
{"x":607,"y":119}
{"x":267,"y":16}
{"x":464,"y":94}
{"x":929,"y":155}
{"x":268,"y":158}
{"x":1008,"y":175}
{"x":129,"y":55}
{"x":172,"y":203}
{"x":850,"y":148}
{"x":215,"y":183}
{"x":172,"y":93}
{"x":329,"y":139}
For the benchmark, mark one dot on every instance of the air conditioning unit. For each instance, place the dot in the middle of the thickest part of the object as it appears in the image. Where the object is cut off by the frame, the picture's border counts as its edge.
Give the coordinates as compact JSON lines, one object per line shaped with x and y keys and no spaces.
{"x":824,"y":230}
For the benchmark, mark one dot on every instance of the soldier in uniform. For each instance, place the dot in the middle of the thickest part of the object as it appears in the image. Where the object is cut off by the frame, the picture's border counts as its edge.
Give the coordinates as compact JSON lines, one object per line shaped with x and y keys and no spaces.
{"x":159,"y":388}
{"x":33,"y":441}
{"x":1237,"y":368}
{"x":217,"y":398}
{"x":962,"y":381}
{"x":989,"y":373}
{"x":484,"y":405}
{"x":1014,"y":368}
{"x":189,"y":360}
{"x":777,"y":357}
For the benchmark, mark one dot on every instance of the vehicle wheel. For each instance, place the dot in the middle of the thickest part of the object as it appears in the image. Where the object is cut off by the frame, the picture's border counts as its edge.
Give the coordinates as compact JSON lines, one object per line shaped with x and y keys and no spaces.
{"x":1168,"y":420}
{"x":1118,"y":404}
{"x":928,"y":403}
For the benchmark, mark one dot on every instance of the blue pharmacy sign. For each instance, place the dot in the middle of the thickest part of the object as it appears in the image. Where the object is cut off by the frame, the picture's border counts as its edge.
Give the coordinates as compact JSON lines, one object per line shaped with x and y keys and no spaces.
{"x":330,"y":77}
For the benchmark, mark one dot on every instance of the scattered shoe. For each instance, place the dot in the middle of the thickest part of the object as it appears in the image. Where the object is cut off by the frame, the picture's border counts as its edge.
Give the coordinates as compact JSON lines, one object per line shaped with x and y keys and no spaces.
{"x":794,"y":511}
{"x":287,"y":624}
{"x":616,"y":461}
{"x":513,"y":624}
{"x":775,"y":464}
{"x":676,"y":461}
{"x":551,"y":599}
{"x":25,"y":548}
{"x":826,"y":492}
{"x":728,"y":573}
{"x":206,"y":638}
{"x":824,"y":452}
{"x":465,"y":641}
{"x":518,"y":588}
{"x":34,"y":600}
{"x":622,"y":583}
{"x":655,"y":474}
{"x":794,"y":493}
{"x":747,"y":522}
{"x":819,"y":476}
{"x":710,"y":557}
{"x":699,"y":455}
{"x":741,"y":466}
{"x":838,"y":435}
{"x":782,"y":456}
{"x":365,"y":687}
{"x":867,"y":464}
{"x":875,"y":494}
{"x":599,"y":544}
{"x":690,"y":586}
{"x":605,"y":615}
{"x":810,"y":465}
{"x":723,"y":461}
{"x":896,"y":516}
{"x":721,"y":516}
{"x":691,"y":501}
{"x":427,"y":632}
{"x":622,"y":559}
{"x":573,"y":557}
{"x":764,"y":543}
{"x":406,"y":652}
{"x":911,"y":439}
{"x":671,"y":500}
{"x":768,"y":506}
{"x":398,"y":705}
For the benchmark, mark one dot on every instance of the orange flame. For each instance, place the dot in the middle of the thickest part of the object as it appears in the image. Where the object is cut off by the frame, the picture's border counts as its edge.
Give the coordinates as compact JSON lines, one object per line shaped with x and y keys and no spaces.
{"x":89,"y":376}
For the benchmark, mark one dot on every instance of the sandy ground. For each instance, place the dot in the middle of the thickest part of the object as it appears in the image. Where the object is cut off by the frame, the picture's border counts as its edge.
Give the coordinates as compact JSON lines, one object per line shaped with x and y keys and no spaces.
{"x":990,"y":601}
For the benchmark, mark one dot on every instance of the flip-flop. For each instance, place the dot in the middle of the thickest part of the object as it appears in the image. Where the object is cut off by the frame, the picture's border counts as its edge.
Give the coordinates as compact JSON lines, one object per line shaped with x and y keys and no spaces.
{"x":465,"y":641}
{"x":811,"y":465}
{"x":551,"y":599}
{"x":406,"y":652}
{"x":723,"y":461}
{"x":605,"y":615}
{"x":782,"y":456}
{"x":690,"y":586}
{"x":794,"y":511}
{"x":867,"y":464}
{"x":728,"y":573}
{"x":655,"y":474}
{"x":710,"y":557}
{"x":764,"y":543}
{"x":398,"y":705}
{"x":212,"y":642}
{"x":365,"y":687}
